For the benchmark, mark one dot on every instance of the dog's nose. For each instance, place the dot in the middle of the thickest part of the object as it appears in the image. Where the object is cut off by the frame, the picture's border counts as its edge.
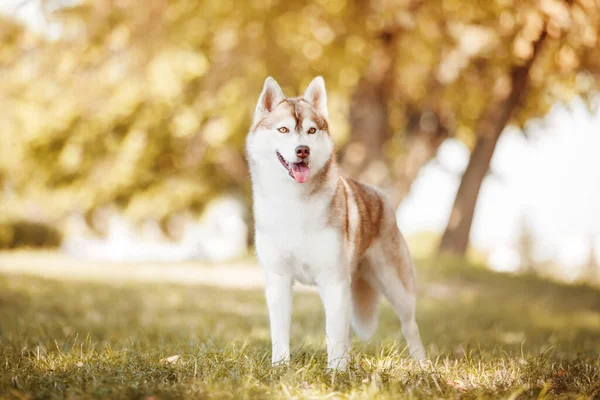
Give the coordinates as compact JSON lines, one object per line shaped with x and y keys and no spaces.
{"x":302,"y":151}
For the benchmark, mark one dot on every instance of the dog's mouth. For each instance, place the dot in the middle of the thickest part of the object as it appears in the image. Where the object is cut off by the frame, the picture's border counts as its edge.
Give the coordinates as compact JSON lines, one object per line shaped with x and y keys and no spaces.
{"x":298,"y":171}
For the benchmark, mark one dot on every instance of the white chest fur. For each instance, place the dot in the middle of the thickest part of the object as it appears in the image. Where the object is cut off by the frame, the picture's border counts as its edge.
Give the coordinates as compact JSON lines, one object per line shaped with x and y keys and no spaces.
{"x":293,"y":236}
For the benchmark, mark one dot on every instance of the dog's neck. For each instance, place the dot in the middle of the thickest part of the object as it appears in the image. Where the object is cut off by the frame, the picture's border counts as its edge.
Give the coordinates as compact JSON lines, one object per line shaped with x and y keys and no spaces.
{"x":325,"y":180}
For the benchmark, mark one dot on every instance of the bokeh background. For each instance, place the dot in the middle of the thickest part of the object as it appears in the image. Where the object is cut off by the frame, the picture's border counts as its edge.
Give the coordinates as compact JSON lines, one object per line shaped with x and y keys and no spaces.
{"x":122,"y":125}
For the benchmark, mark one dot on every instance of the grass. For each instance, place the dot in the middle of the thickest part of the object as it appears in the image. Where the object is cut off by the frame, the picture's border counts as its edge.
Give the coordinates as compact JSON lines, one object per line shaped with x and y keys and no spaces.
{"x":489,"y":335}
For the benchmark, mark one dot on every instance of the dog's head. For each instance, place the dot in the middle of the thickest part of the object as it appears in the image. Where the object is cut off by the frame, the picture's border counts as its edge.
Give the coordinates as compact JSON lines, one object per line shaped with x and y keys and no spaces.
{"x":291,"y":134}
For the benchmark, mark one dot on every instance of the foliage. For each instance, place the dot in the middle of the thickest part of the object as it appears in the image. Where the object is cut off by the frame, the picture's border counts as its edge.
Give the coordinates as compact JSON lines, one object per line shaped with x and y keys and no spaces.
{"x":148,"y":108}
{"x":83,"y":339}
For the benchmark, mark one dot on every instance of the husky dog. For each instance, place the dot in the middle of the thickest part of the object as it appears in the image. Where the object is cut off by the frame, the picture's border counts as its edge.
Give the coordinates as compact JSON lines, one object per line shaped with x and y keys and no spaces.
{"x":316,"y":227}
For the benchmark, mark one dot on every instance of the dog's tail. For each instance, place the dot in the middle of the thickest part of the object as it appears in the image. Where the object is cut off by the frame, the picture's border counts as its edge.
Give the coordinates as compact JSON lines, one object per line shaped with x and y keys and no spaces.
{"x":365,"y":308}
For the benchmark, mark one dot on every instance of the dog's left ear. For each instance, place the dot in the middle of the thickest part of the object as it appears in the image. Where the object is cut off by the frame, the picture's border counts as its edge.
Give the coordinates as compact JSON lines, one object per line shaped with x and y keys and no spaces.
{"x":316,"y":95}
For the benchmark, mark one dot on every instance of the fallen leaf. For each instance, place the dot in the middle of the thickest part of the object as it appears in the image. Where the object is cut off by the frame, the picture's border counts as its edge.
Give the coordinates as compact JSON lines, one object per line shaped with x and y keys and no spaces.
{"x":170,"y":360}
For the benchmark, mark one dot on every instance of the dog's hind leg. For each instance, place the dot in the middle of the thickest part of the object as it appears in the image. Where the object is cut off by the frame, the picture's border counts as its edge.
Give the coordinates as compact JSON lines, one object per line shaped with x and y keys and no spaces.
{"x":394,"y":272}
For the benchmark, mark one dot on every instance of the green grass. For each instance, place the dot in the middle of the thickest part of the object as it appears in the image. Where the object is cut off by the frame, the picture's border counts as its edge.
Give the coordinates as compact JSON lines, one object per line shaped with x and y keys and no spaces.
{"x":489,"y":335}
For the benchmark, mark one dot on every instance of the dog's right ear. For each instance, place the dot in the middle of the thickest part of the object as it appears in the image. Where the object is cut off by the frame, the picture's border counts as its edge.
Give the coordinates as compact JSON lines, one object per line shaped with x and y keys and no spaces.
{"x":270,"y":97}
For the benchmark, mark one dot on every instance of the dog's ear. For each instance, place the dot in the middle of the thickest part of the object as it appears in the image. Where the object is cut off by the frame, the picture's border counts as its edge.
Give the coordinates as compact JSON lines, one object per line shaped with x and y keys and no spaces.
{"x":316,"y":95}
{"x":270,"y":97}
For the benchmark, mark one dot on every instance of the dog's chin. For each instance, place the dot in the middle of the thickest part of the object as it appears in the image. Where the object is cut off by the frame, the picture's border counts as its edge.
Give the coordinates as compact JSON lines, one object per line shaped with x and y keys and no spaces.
{"x":298,"y":171}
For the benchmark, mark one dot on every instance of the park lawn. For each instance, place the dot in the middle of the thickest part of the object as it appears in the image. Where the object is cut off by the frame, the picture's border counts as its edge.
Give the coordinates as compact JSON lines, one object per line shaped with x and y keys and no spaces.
{"x":489,"y":335}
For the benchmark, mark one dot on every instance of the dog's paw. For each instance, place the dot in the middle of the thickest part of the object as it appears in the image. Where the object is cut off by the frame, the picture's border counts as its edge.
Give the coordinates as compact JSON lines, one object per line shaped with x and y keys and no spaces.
{"x":338,"y":365}
{"x":280,"y":361}
{"x":425,"y":363}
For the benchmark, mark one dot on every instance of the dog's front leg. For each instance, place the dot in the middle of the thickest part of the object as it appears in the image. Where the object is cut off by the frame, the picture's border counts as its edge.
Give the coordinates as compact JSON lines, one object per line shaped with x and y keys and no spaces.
{"x":279,"y":301}
{"x":335,"y":294}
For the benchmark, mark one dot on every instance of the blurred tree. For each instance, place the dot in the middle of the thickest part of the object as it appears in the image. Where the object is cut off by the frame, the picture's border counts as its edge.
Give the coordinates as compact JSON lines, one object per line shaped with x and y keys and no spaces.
{"x":148,"y":108}
{"x":590,"y":272}
{"x":369,"y":154}
{"x":545,"y":47}
{"x":526,"y":248}
{"x":492,"y":122}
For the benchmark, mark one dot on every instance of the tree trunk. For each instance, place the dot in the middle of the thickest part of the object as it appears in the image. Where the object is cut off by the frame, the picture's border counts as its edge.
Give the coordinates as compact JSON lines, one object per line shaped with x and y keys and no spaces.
{"x":493,"y":121}
{"x":363,"y":157}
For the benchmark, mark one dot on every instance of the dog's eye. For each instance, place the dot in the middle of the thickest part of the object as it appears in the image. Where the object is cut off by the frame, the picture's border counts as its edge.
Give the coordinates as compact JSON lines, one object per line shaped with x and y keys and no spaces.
{"x":283,"y":129}
{"x":312,"y":130}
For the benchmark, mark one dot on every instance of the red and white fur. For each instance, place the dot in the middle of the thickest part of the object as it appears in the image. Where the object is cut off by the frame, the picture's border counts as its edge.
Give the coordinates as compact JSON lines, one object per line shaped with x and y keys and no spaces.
{"x":316,"y":227}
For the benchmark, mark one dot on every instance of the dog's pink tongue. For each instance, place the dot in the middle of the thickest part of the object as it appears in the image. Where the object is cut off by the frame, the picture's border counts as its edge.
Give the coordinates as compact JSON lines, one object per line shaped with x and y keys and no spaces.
{"x":300,"y":172}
